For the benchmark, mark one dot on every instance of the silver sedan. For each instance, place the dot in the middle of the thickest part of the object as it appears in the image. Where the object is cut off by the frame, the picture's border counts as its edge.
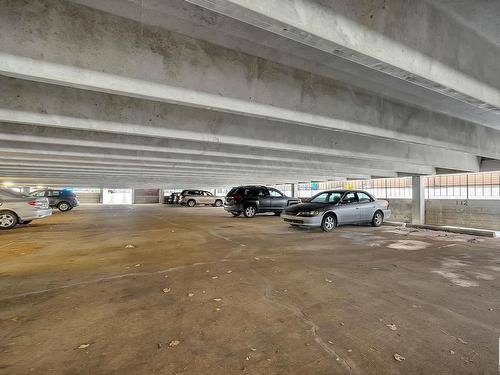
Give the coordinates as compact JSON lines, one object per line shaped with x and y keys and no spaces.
{"x":16,"y":208}
{"x":337,"y":207}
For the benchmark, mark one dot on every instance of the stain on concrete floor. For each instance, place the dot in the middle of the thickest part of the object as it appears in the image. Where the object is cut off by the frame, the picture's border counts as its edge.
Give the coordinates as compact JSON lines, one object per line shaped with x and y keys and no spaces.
{"x":244,"y":296}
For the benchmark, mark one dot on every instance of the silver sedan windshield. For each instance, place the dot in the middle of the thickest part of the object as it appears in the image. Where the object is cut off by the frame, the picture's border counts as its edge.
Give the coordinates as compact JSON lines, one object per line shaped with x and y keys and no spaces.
{"x":327,"y":197}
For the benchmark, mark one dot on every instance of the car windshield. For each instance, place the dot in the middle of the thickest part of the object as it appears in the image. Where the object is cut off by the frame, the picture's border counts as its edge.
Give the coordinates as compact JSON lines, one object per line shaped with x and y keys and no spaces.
{"x":326,"y":197}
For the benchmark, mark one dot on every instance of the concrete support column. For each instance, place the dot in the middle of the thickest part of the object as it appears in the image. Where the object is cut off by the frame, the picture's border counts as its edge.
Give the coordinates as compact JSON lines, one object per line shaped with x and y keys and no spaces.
{"x":295,"y":190}
{"x":101,"y":195}
{"x":418,"y":200}
{"x":160,"y":196}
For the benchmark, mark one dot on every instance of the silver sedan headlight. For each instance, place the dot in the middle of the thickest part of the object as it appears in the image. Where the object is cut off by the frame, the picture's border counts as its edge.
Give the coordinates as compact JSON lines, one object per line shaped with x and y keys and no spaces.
{"x":308,"y":213}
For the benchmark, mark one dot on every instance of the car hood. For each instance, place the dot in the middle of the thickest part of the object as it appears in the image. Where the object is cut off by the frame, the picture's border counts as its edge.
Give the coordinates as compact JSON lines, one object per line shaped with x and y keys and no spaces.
{"x":308,"y":207}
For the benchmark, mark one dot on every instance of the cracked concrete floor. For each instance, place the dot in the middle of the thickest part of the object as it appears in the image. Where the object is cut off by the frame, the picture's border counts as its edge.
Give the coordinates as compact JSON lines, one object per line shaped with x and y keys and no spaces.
{"x":200,"y":292}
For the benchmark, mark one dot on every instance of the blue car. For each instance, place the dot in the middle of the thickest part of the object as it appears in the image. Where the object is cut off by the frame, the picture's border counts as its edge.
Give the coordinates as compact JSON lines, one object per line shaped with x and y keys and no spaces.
{"x":64,"y":200}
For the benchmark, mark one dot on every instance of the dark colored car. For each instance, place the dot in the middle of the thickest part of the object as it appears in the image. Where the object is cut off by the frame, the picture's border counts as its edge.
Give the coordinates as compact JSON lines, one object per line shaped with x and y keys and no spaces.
{"x":173,"y":198}
{"x":251,"y":200}
{"x":63,"y":199}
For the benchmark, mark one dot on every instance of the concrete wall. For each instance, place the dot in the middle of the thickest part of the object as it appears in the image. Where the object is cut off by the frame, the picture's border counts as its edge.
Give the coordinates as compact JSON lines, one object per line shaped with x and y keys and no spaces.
{"x":401,"y":210}
{"x":468,"y":213}
{"x":484,"y":214}
{"x":142,"y":196}
{"x":89,"y":197}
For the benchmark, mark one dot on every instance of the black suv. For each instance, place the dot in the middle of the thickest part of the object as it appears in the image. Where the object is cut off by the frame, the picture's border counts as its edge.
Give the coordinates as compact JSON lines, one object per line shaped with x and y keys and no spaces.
{"x":63,"y":199}
{"x":250,"y":200}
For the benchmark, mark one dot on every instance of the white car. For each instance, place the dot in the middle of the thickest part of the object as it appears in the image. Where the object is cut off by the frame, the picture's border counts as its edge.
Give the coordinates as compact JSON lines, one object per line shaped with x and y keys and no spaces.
{"x":17,"y":208}
{"x":192,"y":198}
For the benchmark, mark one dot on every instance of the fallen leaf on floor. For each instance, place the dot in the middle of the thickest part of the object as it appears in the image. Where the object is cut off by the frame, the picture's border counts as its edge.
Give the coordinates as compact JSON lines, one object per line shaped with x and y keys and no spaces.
{"x":166,"y":290}
{"x":330,"y":342}
{"x":349,"y":350}
{"x":328,"y":281}
{"x":173,"y":343}
{"x":217,"y":299}
{"x":229,"y":271}
{"x":190,"y":294}
{"x":253,"y":349}
{"x":83,"y":346}
{"x":391,"y":326}
{"x":399,"y":357}
{"x":247,"y":358}
{"x":129,"y":246}
{"x":452,"y":352}
{"x":138,"y":265}
{"x":342,"y":324}
{"x":166,"y":276}
{"x":337,"y":359}
{"x":215,"y":277}
{"x":217,"y":309}
{"x":461,"y":341}
{"x":256,"y":258}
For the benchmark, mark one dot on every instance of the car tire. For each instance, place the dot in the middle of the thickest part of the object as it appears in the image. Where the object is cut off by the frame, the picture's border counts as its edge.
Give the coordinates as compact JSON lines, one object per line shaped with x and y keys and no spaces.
{"x":328,"y":223}
{"x":236,"y":213}
{"x":378,"y":219}
{"x":277,"y":213}
{"x":191,"y":203}
{"x":250,"y":211}
{"x":218,"y":203}
{"x":8,"y":220}
{"x":64,"y":206}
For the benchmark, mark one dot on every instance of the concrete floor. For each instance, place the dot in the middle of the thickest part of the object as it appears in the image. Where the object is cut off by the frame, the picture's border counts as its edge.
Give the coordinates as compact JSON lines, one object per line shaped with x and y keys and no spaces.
{"x":246,"y":296}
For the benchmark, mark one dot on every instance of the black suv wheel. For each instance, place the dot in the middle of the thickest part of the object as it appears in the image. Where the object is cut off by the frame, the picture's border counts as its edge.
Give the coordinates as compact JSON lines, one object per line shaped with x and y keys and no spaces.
{"x":250,"y":211}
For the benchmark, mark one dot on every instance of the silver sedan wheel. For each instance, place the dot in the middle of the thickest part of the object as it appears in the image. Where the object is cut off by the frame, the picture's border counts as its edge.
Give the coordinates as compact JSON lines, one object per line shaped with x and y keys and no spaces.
{"x":7,"y":220}
{"x":378,"y":219}
{"x":328,"y":223}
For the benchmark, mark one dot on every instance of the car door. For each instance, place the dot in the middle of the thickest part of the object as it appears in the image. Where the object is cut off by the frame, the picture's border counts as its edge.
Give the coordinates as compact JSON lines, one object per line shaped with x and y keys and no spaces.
{"x":208,"y":197}
{"x":201,"y":197}
{"x":348,"y":210}
{"x":264,"y":199}
{"x":52,"y":196}
{"x":367,"y":207}
{"x":277,"y":200}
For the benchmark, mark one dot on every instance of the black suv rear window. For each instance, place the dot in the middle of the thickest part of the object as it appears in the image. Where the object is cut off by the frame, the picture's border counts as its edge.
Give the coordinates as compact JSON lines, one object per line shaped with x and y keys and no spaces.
{"x":234,"y":191}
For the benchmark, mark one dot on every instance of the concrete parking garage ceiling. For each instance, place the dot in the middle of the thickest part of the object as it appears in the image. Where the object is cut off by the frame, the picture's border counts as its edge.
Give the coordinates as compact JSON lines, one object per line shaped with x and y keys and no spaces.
{"x":213,"y":93}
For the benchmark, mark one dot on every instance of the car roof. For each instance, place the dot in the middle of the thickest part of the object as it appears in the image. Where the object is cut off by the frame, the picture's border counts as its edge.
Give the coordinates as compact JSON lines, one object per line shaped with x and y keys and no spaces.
{"x":345,"y":191}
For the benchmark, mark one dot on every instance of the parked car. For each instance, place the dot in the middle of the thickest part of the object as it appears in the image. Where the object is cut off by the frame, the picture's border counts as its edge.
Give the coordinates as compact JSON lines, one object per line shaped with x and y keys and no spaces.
{"x":251,"y":200}
{"x":63,"y":199}
{"x":193,"y":197}
{"x":330,"y":209}
{"x":173,"y":198}
{"x":17,"y":208}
